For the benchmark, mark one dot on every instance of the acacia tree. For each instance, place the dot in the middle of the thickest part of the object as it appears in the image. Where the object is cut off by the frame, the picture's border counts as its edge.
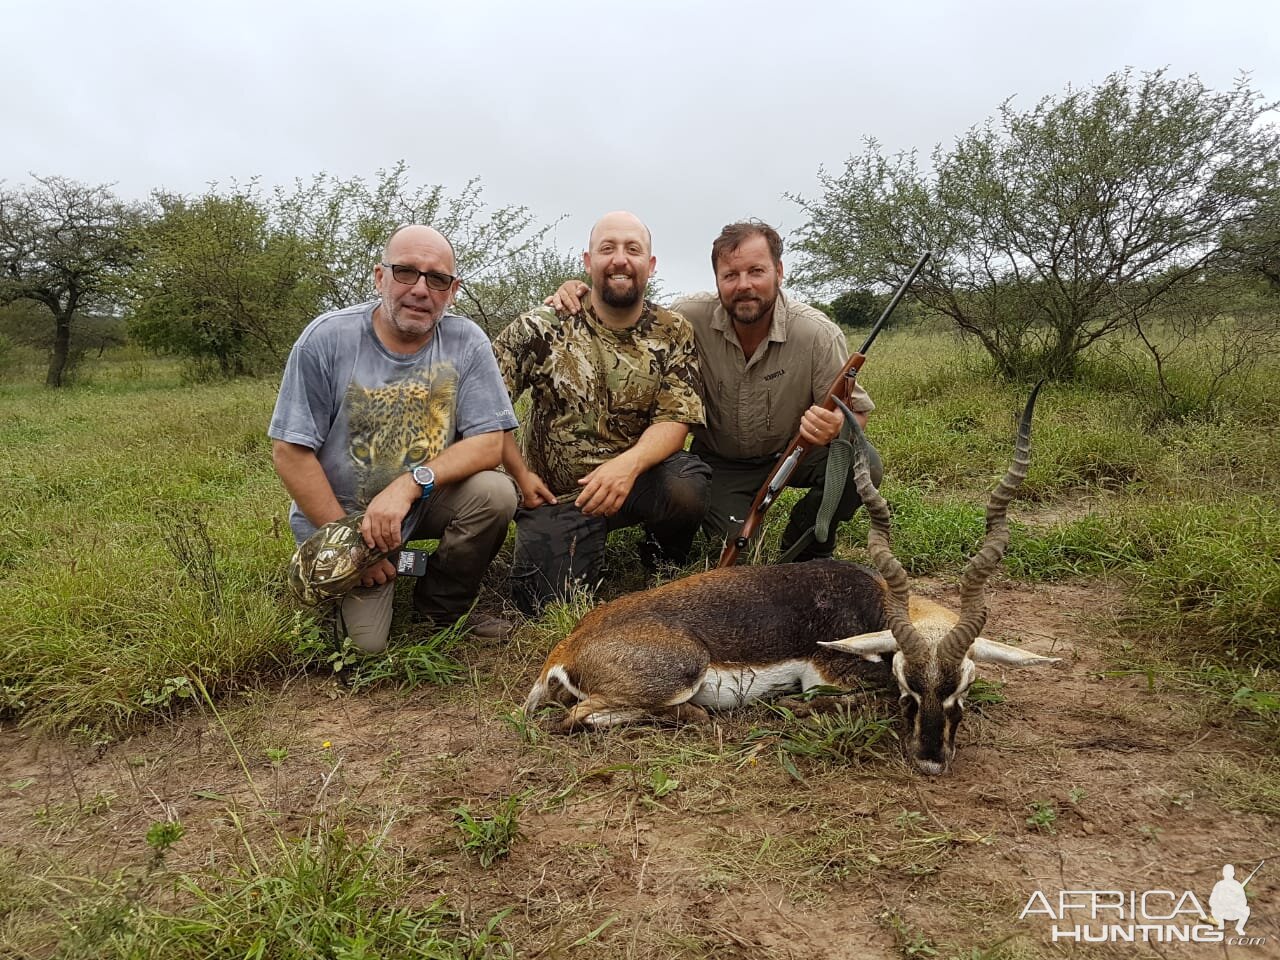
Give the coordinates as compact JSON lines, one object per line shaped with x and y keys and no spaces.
{"x":218,"y":282}
{"x":1058,"y":226}
{"x":231,"y":277}
{"x":64,"y":244}
{"x":1228,"y":322}
{"x":495,"y":298}
{"x":1255,"y":245}
{"x":505,"y":258}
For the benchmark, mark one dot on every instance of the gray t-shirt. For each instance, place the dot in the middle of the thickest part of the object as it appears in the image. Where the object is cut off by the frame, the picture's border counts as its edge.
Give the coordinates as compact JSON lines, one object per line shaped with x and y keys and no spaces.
{"x":370,"y":414}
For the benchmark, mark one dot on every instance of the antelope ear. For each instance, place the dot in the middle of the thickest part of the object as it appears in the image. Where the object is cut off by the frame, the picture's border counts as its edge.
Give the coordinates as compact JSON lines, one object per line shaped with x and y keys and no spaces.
{"x":869,"y":645}
{"x":990,"y":651}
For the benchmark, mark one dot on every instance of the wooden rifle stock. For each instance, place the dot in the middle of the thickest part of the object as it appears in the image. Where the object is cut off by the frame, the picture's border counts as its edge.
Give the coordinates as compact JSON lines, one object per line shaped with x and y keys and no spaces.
{"x":795,"y":452}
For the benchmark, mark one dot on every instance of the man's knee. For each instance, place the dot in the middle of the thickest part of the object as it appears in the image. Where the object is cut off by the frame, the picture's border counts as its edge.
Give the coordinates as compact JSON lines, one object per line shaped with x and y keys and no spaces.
{"x":364,"y":615}
{"x":725,"y":514}
{"x":487,"y":499}
{"x":686,"y":486}
{"x":558,"y":549}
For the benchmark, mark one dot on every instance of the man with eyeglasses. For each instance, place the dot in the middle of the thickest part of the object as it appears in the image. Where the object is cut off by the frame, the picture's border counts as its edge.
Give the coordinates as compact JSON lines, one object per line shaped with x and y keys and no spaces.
{"x":614,"y":390}
{"x":396,"y":407}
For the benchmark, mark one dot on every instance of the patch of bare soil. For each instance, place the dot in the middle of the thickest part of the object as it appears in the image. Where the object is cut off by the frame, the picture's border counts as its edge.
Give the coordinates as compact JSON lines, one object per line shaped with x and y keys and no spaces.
{"x":659,"y":842}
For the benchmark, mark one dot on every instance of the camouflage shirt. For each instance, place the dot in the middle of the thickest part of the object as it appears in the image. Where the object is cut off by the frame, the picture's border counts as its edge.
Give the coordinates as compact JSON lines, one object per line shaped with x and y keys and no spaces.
{"x":594,"y":390}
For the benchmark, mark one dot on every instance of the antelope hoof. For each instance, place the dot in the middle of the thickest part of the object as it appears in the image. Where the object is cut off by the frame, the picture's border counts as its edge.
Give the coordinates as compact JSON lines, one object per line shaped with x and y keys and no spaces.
{"x":686,"y":713}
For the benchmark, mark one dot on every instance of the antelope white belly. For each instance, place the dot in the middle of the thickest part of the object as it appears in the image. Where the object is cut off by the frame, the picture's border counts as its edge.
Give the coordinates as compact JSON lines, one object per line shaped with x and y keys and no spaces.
{"x":726,"y":686}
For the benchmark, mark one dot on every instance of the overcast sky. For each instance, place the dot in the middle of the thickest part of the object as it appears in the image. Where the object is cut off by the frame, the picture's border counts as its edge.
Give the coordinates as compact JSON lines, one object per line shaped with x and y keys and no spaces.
{"x":690,"y":114}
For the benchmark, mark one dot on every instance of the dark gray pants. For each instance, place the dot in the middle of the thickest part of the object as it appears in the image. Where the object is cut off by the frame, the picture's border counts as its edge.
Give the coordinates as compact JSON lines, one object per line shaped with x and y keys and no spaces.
{"x":559,"y":547}
{"x":734,"y":484}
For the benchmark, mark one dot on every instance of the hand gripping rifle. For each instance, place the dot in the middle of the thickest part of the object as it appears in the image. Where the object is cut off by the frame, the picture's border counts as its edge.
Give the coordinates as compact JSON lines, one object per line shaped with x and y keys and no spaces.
{"x":794,"y":453}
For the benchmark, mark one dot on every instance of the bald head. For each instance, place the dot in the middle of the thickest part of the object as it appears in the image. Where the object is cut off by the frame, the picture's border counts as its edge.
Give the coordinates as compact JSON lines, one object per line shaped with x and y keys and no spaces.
{"x":619,"y":223}
{"x":418,"y":239}
{"x":411,"y":306}
{"x":620,"y":261}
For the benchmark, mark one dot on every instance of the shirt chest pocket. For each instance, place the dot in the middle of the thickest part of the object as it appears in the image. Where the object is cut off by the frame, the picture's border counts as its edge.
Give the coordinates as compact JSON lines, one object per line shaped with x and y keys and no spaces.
{"x":745,"y":409}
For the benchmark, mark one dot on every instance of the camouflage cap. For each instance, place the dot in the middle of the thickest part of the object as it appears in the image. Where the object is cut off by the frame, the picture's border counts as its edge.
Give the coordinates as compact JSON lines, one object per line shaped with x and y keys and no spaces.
{"x":332,"y":561}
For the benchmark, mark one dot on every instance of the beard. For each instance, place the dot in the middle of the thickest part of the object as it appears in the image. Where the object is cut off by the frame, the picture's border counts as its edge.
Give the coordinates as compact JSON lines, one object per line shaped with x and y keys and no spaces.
{"x":749,"y":310}
{"x":621,"y":299}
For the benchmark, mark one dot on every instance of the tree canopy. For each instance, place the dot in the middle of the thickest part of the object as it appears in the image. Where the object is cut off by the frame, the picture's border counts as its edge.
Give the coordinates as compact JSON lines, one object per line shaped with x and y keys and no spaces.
{"x":503,"y":255}
{"x":230,"y":278}
{"x":1057,"y":226}
{"x":218,"y":282}
{"x":64,"y":245}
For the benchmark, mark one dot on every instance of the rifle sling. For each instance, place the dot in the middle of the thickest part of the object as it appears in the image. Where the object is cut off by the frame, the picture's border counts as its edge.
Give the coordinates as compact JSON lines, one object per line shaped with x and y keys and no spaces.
{"x":839,"y":457}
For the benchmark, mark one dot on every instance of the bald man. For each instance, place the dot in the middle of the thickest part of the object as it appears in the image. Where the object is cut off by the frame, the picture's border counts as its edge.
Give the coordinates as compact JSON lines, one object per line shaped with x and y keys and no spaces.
{"x":614,"y":390}
{"x":767,"y":359}
{"x":396,"y":407}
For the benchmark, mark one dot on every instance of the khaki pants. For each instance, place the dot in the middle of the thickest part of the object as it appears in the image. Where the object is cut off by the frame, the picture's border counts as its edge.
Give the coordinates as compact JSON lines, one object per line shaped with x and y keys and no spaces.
{"x":470,"y":520}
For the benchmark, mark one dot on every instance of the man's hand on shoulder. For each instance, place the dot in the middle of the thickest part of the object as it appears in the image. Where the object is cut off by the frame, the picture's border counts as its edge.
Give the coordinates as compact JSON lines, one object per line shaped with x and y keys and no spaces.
{"x":568,"y":298}
{"x":606,"y":488}
{"x":386,"y":512}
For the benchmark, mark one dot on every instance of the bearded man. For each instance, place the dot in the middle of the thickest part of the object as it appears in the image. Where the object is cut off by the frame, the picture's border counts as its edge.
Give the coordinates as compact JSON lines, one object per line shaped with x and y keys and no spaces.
{"x":766,"y":360}
{"x":613,"y":393}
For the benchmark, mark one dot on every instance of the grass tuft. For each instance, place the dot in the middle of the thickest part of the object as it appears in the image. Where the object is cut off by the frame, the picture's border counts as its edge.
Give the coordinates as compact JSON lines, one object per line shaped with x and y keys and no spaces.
{"x":489,"y":838}
{"x":324,"y":895}
{"x":839,"y":737}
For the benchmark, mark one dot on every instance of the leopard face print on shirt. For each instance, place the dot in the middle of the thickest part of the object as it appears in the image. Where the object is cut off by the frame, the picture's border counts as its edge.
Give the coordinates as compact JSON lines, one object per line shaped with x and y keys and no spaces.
{"x":394,"y":428}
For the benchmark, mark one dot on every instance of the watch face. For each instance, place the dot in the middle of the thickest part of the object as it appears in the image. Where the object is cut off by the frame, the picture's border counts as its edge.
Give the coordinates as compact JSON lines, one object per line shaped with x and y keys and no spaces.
{"x":425,"y":476}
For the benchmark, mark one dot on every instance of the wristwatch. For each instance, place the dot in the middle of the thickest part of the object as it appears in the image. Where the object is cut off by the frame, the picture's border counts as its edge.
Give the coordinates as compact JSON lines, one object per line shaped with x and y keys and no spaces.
{"x":425,"y":478}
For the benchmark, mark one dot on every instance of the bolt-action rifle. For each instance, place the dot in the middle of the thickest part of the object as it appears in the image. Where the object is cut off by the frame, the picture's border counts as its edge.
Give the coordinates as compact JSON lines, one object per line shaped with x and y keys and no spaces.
{"x":840,"y":387}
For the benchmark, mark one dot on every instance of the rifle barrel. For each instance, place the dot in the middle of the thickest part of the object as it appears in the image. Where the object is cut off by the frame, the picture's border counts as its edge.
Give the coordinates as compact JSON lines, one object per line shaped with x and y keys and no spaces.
{"x":1250,"y":876}
{"x":897,"y":295}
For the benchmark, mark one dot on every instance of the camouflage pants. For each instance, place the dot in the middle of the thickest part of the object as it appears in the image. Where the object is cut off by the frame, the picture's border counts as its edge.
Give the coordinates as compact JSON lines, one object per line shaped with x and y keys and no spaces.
{"x":559,"y":547}
{"x":734,"y":484}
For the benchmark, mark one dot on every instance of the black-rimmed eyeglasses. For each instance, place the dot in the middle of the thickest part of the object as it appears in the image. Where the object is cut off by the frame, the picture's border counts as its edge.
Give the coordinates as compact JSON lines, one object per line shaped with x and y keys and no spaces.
{"x":408,"y":275}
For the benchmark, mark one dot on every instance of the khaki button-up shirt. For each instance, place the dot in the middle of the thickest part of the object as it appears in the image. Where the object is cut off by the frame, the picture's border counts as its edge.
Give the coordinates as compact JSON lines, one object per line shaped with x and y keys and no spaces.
{"x":753,"y":405}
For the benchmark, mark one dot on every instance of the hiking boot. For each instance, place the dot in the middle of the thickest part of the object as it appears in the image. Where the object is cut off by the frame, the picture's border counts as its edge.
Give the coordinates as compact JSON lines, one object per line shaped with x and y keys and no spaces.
{"x":483,"y":626}
{"x":488,"y":627}
{"x":654,"y":556}
{"x":651,"y":555}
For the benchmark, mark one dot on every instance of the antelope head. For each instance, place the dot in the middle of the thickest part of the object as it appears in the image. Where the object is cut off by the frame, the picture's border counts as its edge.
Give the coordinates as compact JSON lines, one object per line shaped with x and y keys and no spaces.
{"x":934,"y":652}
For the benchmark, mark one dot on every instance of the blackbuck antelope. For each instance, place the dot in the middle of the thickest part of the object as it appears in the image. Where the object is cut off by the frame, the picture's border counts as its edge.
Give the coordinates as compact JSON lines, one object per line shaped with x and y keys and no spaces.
{"x":722,"y":638}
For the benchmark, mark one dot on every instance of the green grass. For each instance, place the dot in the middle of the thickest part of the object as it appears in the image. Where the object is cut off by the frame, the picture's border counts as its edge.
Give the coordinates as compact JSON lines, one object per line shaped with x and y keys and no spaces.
{"x":839,"y":737}
{"x":325,"y":894}
{"x":406,"y":664}
{"x":142,"y":536}
{"x":141,"y":545}
{"x":489,"y":837}
{"x":333,"y":890}
{"x":1183,"y":511}
{"x":142,"y":549}
{"x":1252,"y":786}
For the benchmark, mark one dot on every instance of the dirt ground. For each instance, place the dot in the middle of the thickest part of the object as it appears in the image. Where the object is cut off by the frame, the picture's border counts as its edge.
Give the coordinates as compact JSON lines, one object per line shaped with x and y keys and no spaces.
{"x":700,"y":842}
